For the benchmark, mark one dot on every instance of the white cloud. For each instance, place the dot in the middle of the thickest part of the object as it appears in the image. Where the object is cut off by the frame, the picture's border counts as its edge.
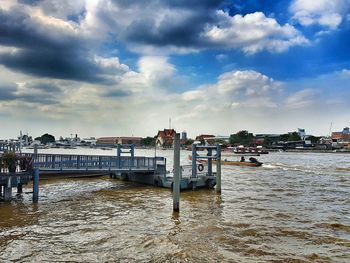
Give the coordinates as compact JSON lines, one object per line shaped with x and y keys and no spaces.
{"x":253,"y":33}
{"x":250,"y":82}
{"x":323,"y":12}
{"x":301,"y":99}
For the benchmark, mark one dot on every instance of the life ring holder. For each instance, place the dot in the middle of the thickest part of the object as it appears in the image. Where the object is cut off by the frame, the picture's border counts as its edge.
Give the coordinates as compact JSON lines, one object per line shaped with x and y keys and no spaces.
{"x":200,"y":167}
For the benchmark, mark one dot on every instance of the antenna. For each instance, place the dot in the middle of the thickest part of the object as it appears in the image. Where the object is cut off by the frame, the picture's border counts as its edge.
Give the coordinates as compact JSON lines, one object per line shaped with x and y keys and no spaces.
{"x":169,"y":122}
{"x":330,"y":130}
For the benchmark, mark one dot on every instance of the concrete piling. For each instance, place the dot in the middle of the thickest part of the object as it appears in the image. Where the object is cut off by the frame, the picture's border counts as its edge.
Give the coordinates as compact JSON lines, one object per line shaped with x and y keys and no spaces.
{"x":36,"y":186}
{"x":218,"y":169}
{"x":176,"y":180}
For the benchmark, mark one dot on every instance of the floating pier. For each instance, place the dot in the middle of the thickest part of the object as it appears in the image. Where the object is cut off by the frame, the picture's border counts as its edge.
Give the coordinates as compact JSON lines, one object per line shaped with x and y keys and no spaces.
{"x":10,"y":146}
{"x":126,"y":166}
{"x":22,"y":175}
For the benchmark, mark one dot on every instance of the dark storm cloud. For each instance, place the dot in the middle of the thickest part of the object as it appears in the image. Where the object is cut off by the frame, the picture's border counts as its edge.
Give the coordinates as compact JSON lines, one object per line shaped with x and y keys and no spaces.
{"x":44,"y":50}
{"x":62,"y":64}
{"x":44,"y":87}
{"x":182,"y":27}
{"x":117,"y":93}
{"x":37,"y":92}
{"x":189,"y":4}
{"x":7,"y":91}
{"x":29,"y":2}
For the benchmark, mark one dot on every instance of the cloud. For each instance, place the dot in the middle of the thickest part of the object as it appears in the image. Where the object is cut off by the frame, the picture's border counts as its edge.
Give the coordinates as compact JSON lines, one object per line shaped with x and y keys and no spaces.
{"x":49,"y":47}
{"x":322,"y":12}
{"x":249,"y":82}
{"x":252,"y":33}
{"x":301,"y":99}
{"x":165,"y":27}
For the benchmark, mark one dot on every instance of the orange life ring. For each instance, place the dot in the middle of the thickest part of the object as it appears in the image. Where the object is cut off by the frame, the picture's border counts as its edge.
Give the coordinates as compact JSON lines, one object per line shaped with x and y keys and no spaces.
{"x":200,"y":167}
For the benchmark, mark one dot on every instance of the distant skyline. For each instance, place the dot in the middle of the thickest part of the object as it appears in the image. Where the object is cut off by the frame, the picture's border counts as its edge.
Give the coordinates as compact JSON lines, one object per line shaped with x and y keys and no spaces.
{"x":121,"y":68}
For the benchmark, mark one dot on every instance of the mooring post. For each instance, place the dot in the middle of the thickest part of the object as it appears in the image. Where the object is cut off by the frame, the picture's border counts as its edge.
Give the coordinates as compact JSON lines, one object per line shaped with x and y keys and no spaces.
{"x":35,"y":150}
{"x":36,"y":185}
{"x":194,"y":160}
{"x":8,"y":189}
{"x":119,"y":155}
{"x":176,"y":181}
{"x":218,"y":169}
{"x":210,"y":163}
{"x":19,"y":188}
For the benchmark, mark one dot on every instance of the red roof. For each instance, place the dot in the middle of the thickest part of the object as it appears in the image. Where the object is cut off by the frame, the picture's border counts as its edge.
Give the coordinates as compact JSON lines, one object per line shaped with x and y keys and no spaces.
{"x":166,"y":133}
{"x":340,"y":136}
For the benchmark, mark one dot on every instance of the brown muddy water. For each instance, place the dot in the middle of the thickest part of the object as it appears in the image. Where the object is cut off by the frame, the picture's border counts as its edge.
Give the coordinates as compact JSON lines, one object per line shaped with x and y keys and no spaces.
{"x":295,"y":208}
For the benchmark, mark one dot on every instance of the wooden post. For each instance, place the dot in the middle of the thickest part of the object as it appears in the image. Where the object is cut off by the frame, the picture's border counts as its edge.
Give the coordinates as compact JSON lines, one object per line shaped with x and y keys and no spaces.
{"x":36,"y":186}
{"x":176,"y":179}
{"x":218,"y":169}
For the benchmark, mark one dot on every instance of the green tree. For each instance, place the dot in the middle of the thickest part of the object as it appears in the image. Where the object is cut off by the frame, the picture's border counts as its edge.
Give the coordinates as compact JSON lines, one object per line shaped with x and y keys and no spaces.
{"x":292,"y":136}
{"x":242,"y":137}
{"x":148,"y":141}
{"x":46,"y":138}
{"x":313,"y":139}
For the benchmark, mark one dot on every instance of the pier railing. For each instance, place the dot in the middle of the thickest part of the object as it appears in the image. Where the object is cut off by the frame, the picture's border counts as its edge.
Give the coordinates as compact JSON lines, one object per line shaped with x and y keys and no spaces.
{"x":94,"y":162}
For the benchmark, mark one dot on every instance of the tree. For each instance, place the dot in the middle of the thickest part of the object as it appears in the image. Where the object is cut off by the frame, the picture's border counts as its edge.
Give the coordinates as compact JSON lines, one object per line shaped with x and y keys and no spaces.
{"x":241,"y":137}
{"x":148,"y":141}
{"x":46,"y":138}
{"x":292,"y":136}
{"x":313,"y":139}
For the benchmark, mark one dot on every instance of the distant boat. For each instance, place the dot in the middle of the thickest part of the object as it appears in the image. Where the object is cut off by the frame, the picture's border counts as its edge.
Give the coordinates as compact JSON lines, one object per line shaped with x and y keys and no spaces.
{"x":239,"y":163}
{"x":252,"y":162}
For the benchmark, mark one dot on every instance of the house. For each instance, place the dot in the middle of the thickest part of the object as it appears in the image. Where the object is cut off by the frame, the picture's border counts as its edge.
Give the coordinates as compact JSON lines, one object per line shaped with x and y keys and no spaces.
{"x":107,"y":141}
{"x":341,"y":136}
{"x":165,"y":138}
{"x":206,"y":139}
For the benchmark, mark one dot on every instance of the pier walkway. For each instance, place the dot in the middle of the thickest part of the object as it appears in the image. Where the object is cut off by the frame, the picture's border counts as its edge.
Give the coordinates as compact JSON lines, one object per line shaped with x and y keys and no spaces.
{"x":124,"y":162}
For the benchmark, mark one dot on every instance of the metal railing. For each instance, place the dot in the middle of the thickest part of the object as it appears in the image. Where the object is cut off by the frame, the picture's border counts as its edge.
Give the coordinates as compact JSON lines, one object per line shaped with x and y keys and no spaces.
{"x":93,"y":162}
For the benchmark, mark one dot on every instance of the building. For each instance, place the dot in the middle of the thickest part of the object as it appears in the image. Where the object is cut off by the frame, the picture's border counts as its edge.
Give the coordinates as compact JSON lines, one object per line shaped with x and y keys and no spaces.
{"x":341,"y":136}
{"x":129,"y":140}
{"x":184,"y":136}
{"x":302,"y":134}
{"x":107,"y":141}
{"x":165,"y":138}
{"x":341,"y":139}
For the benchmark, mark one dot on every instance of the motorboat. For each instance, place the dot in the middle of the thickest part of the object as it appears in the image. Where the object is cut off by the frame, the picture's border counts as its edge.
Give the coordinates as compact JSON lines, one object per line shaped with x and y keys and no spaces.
{"x":242,"y":162}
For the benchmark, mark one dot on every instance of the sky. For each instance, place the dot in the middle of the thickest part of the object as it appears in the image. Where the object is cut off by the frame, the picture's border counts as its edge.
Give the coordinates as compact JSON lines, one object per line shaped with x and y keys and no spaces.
{"x":124,"y":67}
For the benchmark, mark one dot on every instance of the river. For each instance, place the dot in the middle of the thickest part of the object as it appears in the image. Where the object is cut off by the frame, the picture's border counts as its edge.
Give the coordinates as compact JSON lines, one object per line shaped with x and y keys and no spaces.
{"x":295,"y":208}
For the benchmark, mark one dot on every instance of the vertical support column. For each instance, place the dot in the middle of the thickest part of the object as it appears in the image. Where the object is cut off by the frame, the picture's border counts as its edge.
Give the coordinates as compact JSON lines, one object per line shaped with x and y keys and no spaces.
{"x":19,"y":185}
{"x":53,"y":160}
{"x":176,"y":181}
{"x":0,"y":190}
{"x":8,"y":189}
{"x":210,"y":163}
{"x":194,"y":160}
{"x":35,"y":155}
{"x":36,"y":185}
{"x":218,"y":169}
{"x":100,"y":162}
{"x":119,"y":151}
{"x":132,"y":153}
{"x":78,"y":161}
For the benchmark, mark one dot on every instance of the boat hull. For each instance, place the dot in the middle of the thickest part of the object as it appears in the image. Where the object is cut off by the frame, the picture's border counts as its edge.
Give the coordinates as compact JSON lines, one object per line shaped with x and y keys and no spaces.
{"x":239,"y":163}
